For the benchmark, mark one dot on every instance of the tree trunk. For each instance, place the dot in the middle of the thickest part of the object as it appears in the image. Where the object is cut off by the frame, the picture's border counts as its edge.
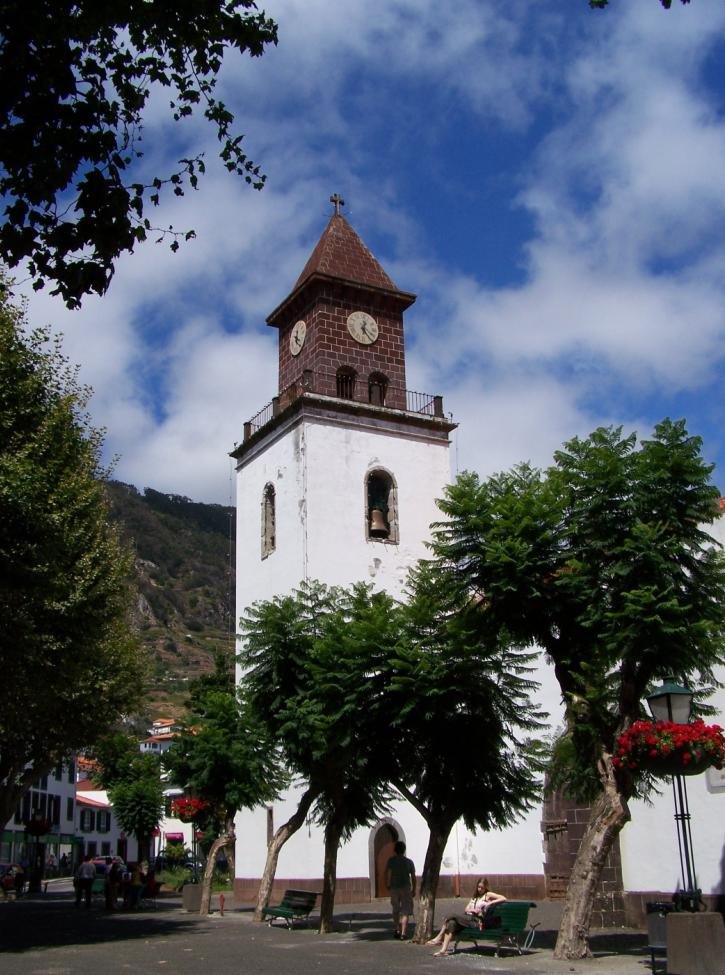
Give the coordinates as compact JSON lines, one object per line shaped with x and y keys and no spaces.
{"x":333,"y":832}
{"x":609,"y":814}
{"x":144,"y":850}
{"x":226,"y":841}
{"x":425,"y":916}
{"x":275,"y":845}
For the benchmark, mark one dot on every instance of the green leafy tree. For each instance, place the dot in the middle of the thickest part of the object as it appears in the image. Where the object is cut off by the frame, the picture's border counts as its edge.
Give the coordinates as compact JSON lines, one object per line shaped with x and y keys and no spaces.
{"x":461,"y":719}
{"x":603,"y":561}
{"x":138,"y":801}
{"x":311,"y":659}
{"x":134,"y":786}
{"x":225,"y":757}
{"x":70,"y":664}
{"x":369,"y":696}
{"x":76,"y":80}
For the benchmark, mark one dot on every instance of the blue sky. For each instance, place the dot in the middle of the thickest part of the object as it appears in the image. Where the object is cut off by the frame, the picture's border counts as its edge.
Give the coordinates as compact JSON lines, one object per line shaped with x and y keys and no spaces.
{"x":549,"y":180}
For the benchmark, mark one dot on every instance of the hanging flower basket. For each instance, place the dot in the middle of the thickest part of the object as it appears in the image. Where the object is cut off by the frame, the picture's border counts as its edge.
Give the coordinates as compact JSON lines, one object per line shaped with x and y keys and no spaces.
{"x":681,"y":761}
{"x":37,"y":827}
{"x":665,"y":748}
{"x":187,"y":810}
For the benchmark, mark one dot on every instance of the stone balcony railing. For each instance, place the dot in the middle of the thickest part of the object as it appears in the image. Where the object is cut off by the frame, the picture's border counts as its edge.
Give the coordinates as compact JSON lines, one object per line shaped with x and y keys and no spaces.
{"x":348,"y":389}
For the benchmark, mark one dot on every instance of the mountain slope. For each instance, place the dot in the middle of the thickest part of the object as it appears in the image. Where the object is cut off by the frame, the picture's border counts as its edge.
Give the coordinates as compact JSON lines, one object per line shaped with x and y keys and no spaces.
{"x":185,"y":577}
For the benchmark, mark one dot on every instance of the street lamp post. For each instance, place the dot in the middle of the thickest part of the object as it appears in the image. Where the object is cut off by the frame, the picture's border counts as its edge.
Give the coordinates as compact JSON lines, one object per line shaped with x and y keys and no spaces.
{"x":35,"y":827}
{"x":673,"y":702}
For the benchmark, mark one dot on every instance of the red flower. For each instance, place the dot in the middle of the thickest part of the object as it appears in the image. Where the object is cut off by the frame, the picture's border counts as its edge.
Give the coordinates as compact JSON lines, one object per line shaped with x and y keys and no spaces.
{"x":187,"y":809}
{"x":689,"y":742}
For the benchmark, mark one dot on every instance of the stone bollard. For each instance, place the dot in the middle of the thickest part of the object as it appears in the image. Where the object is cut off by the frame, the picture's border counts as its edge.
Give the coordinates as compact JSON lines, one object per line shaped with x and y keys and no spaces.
{"x":695,"y":944}
{"x":191,"y":898}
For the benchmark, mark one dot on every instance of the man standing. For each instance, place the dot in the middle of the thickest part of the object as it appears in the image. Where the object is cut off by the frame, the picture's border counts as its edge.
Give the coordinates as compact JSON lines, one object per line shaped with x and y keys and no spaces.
{"x":85,"y":876}
{"x":400,"y":875}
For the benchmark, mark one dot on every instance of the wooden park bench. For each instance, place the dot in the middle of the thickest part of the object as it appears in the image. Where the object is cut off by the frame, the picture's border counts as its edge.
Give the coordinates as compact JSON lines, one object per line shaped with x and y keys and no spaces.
{"x":296,"y":905}
{"x":504,"y":923}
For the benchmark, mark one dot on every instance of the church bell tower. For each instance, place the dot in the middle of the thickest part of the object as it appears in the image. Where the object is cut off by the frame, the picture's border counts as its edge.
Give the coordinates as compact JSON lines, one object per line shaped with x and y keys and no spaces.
{"x":337,"y":479}
{"x":338,"y":475}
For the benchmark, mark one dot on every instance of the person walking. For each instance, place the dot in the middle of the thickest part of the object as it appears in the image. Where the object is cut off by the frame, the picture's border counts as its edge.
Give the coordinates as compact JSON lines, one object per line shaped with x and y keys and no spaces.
{"x":400,"y":876}
{"x":85,"y":875}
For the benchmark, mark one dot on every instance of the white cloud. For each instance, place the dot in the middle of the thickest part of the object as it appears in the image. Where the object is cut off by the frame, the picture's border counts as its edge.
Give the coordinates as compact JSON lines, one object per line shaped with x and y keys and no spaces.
{"x":623,"y":278}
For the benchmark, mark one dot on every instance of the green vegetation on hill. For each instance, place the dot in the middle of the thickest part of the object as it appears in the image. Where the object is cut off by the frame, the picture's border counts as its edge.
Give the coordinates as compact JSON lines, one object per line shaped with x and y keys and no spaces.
{"x":185,"y":576}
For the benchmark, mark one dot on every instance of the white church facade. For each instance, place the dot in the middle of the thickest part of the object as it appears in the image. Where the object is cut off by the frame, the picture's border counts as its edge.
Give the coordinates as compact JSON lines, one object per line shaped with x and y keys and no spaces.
{"x":340,"y":473}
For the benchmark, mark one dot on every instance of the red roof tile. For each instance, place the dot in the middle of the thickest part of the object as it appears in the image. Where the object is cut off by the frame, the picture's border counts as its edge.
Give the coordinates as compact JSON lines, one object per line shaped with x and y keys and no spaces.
{"x":96,"y":803}
{"x":341,"y":254}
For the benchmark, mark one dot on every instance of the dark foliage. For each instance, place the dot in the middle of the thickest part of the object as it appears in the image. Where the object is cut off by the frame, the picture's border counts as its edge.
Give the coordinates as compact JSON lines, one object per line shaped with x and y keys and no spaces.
{"x":76,"y":76}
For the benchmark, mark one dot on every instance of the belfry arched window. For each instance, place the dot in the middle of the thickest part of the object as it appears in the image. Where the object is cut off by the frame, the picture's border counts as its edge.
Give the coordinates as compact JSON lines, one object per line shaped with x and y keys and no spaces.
{"x":269,"y":521}
{"x":346,"y":377}
{"x":377,"y":388}
{"x":381,"y":507}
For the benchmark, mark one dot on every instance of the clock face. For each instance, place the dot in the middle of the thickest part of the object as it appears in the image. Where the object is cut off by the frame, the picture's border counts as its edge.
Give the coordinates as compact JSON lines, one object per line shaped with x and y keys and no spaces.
{"x":297,"y":337}
{"x":362,"y":327}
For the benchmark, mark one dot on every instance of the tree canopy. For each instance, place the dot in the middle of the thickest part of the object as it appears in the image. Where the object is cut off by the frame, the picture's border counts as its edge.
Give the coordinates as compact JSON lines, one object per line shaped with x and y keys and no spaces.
{"x":460,"y":700}
{"x":225,"y":758}
{"x":369,"y":696}
{"x":69,"y":662}
{"x":604,"y":562}
{"x":312,"y":678}
{"x":76,"y":79}
{"x":137,"y":797}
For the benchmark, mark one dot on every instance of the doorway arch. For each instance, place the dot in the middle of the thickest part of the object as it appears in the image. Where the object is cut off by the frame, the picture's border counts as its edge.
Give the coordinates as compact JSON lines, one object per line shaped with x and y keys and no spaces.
{"x":383,"y":837}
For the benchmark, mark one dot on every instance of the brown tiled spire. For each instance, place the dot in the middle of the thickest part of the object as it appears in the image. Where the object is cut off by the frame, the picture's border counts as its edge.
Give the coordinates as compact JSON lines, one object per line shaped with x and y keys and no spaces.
{"x":341,"y":254}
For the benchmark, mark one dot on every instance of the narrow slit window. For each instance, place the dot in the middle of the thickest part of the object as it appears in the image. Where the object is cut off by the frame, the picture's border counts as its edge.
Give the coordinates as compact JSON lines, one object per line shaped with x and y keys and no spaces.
{"x":377,"y":388}
{"x":346,"y":378}
{"x":269,"y":521}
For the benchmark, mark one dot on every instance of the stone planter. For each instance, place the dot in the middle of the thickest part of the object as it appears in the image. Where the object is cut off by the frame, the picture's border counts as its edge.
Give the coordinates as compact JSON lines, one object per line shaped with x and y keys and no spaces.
{"x":191,"y":898}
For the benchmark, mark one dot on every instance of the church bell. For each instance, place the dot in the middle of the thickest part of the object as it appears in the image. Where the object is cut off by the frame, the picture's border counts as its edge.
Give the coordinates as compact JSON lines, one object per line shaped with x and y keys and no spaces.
{"x":378,"y":525}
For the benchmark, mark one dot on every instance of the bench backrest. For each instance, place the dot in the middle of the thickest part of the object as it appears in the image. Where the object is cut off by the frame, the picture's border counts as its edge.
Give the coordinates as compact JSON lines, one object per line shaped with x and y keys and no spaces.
{"x":513,"y":914}
{"x":299,"y":900}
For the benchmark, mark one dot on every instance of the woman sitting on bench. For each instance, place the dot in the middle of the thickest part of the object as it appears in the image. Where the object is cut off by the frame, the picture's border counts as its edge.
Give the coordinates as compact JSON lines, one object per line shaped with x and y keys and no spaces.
{"x":476,"y":908}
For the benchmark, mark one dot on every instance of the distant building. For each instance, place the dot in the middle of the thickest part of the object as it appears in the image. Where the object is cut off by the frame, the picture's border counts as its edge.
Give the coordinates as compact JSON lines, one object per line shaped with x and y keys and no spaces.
{"x":51,"y":799}
{"x":162,"y":733}
{"x":98,"y":832}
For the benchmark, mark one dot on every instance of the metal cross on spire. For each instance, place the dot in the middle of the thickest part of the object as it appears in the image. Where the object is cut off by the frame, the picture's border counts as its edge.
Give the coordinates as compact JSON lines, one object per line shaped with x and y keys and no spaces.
{"x":337,"y":202}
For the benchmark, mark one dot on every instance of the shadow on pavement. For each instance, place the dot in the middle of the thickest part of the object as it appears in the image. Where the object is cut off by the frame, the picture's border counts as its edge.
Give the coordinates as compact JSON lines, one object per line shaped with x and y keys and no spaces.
{"x":54,"y":921}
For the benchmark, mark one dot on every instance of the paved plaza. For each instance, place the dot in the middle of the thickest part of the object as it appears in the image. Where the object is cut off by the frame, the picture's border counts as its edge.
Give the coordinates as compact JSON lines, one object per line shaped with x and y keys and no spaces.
{"x":49,"y":936}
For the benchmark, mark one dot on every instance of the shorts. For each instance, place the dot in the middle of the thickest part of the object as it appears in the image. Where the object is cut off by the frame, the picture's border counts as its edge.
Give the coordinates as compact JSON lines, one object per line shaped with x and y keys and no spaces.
{"x":401,"y":899}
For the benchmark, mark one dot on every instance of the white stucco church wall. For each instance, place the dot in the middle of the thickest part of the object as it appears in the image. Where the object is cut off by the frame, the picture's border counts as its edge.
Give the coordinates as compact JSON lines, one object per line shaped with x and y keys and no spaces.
{"x":318,"y":471}
{"x":650,"y":859}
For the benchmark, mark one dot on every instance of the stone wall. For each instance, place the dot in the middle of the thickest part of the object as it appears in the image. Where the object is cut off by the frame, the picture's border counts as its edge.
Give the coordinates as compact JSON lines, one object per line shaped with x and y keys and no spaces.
{"x":564,"y":822}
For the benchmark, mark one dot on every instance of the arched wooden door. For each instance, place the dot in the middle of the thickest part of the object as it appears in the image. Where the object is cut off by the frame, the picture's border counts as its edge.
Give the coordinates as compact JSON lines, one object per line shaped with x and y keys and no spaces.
{"x":385,"y":839}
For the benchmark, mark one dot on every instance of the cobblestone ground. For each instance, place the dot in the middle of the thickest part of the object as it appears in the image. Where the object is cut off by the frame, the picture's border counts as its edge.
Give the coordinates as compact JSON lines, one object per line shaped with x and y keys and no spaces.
{"x":49,"y":936}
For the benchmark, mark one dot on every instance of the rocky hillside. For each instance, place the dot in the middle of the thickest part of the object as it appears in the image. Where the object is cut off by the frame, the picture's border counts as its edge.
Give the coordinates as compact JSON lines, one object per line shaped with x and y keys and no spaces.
{"x":185,"y":576}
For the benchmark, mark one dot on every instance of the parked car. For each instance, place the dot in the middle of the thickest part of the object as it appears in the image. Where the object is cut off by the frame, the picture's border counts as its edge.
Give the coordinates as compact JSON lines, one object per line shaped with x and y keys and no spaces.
{"x":102,"y":866}
{"x":164,"y":862}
